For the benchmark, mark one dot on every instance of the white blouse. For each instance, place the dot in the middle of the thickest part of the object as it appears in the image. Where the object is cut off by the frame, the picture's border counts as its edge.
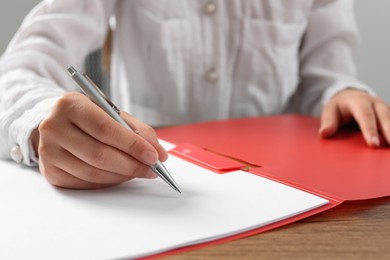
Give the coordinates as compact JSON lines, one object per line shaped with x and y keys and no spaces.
{"x":176,"y":62}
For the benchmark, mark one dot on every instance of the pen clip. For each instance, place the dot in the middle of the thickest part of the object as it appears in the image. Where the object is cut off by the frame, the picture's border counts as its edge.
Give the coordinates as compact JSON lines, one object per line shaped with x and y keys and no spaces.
{"x":102,"y":94}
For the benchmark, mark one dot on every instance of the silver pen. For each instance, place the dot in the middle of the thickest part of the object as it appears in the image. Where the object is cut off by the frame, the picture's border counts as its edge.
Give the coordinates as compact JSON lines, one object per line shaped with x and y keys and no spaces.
{"x":94,"y":93}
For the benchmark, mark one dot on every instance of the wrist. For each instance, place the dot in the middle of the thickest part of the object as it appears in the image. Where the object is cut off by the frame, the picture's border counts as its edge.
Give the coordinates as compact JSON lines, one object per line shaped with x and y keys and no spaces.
{"x":34,"y":138}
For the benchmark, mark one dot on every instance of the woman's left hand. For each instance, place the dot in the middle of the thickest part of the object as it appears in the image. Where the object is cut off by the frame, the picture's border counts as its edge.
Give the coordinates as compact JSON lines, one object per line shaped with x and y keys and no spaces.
{"x":372,"y":115}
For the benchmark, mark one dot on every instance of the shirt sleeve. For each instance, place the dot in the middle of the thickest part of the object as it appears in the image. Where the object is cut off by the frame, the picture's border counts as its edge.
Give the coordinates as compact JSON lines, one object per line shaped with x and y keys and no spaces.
{"x":53,"y":36}
{"x":326,"y":55}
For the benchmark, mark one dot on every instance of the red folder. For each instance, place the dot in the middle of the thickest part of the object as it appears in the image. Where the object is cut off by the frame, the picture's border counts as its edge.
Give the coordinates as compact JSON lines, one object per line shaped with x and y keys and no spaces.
{"x":286,"y":149}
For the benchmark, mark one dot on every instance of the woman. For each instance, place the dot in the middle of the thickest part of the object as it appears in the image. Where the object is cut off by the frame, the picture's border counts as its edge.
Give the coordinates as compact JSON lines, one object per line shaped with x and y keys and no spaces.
{"x":174,"y":62}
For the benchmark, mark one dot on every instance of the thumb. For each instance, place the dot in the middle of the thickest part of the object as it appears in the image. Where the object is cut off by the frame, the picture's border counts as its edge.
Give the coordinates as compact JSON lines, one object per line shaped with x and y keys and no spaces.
{"x":330,"y":120}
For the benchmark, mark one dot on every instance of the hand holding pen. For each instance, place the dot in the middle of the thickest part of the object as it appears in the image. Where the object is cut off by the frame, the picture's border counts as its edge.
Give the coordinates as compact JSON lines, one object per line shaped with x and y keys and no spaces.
{"x":80,"y":146}
{"x":93,"y":92}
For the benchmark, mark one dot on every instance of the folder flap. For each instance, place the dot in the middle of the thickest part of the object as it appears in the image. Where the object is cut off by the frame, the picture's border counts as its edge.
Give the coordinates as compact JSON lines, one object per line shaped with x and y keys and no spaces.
{"x":289,"y":149}
{"x":206,"y":158}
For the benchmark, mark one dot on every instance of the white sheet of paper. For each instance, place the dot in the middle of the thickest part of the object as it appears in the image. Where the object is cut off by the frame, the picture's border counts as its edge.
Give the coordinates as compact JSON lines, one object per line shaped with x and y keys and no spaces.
{"x":139,"y":218}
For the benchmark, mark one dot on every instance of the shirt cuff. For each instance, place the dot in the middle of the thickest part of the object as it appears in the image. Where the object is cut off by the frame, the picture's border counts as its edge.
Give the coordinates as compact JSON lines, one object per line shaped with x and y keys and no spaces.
{"x":25,"y":125}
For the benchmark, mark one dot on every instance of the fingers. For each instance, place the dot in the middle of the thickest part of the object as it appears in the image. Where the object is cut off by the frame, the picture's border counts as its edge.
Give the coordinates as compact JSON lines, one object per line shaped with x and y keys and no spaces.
{"x":60,"y":178}
{"x":383,"y":114}
{"x":364,"y":114}
{"x":371,"y":114}
{"x":69,"y":163}
{"x":100,"y":126}
{"x":100,"y":155}
{"x":62,"y":169}
{"x":81,"y":147}
{"x":330,"y":120}
{"x":148,"y":133}
{"x":62,"y":159}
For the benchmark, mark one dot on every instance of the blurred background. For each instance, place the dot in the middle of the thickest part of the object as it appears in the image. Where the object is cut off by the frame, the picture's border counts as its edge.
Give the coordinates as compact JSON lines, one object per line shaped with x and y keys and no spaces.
{"x":372,"y":57}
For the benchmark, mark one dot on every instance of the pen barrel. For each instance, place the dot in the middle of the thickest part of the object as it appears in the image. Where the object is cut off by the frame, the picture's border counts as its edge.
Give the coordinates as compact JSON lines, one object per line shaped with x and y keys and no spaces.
{"x":92,"y":91}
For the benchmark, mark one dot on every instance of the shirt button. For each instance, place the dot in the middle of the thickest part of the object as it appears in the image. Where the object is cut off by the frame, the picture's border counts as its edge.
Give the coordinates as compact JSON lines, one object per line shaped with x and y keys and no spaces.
{"x":16,"y":154}
{"x":210,"y":8}
{"x":212,"y":76}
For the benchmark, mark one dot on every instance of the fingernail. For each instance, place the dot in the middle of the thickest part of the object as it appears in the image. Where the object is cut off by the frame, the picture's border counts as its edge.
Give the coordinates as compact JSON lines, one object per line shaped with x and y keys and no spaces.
{"x":151,"y":174}
{"x":321,"y":130}
{"x":324,"y":131}
{"x":149,"y":157}
{"x":375,"y":141}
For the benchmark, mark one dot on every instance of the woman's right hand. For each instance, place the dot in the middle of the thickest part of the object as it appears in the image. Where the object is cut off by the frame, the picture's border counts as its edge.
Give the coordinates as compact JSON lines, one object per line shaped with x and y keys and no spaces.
{"x":79,"y":146}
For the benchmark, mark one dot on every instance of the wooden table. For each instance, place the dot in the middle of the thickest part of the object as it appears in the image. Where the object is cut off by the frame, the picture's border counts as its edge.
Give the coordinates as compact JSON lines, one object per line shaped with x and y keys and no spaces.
{"x":352,"y":230}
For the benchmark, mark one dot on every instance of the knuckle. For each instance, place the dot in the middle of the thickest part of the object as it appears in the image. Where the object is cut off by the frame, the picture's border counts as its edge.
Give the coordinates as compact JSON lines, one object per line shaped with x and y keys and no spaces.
{"x":326,"y":117}
{"x":44,"y":150}
{"x":99,"y":157}
{"x":148,"y":130}
{"x":372,"y":131}
{"x":93,"y":175}
{"x":381,"y":107}
{"x":367,"y":114}
{"x":66,"y":101}
{"x":106,"y":129}
{"x":134,"y":146}
{"x":378,"y":100}
{"x":47,"y":126}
